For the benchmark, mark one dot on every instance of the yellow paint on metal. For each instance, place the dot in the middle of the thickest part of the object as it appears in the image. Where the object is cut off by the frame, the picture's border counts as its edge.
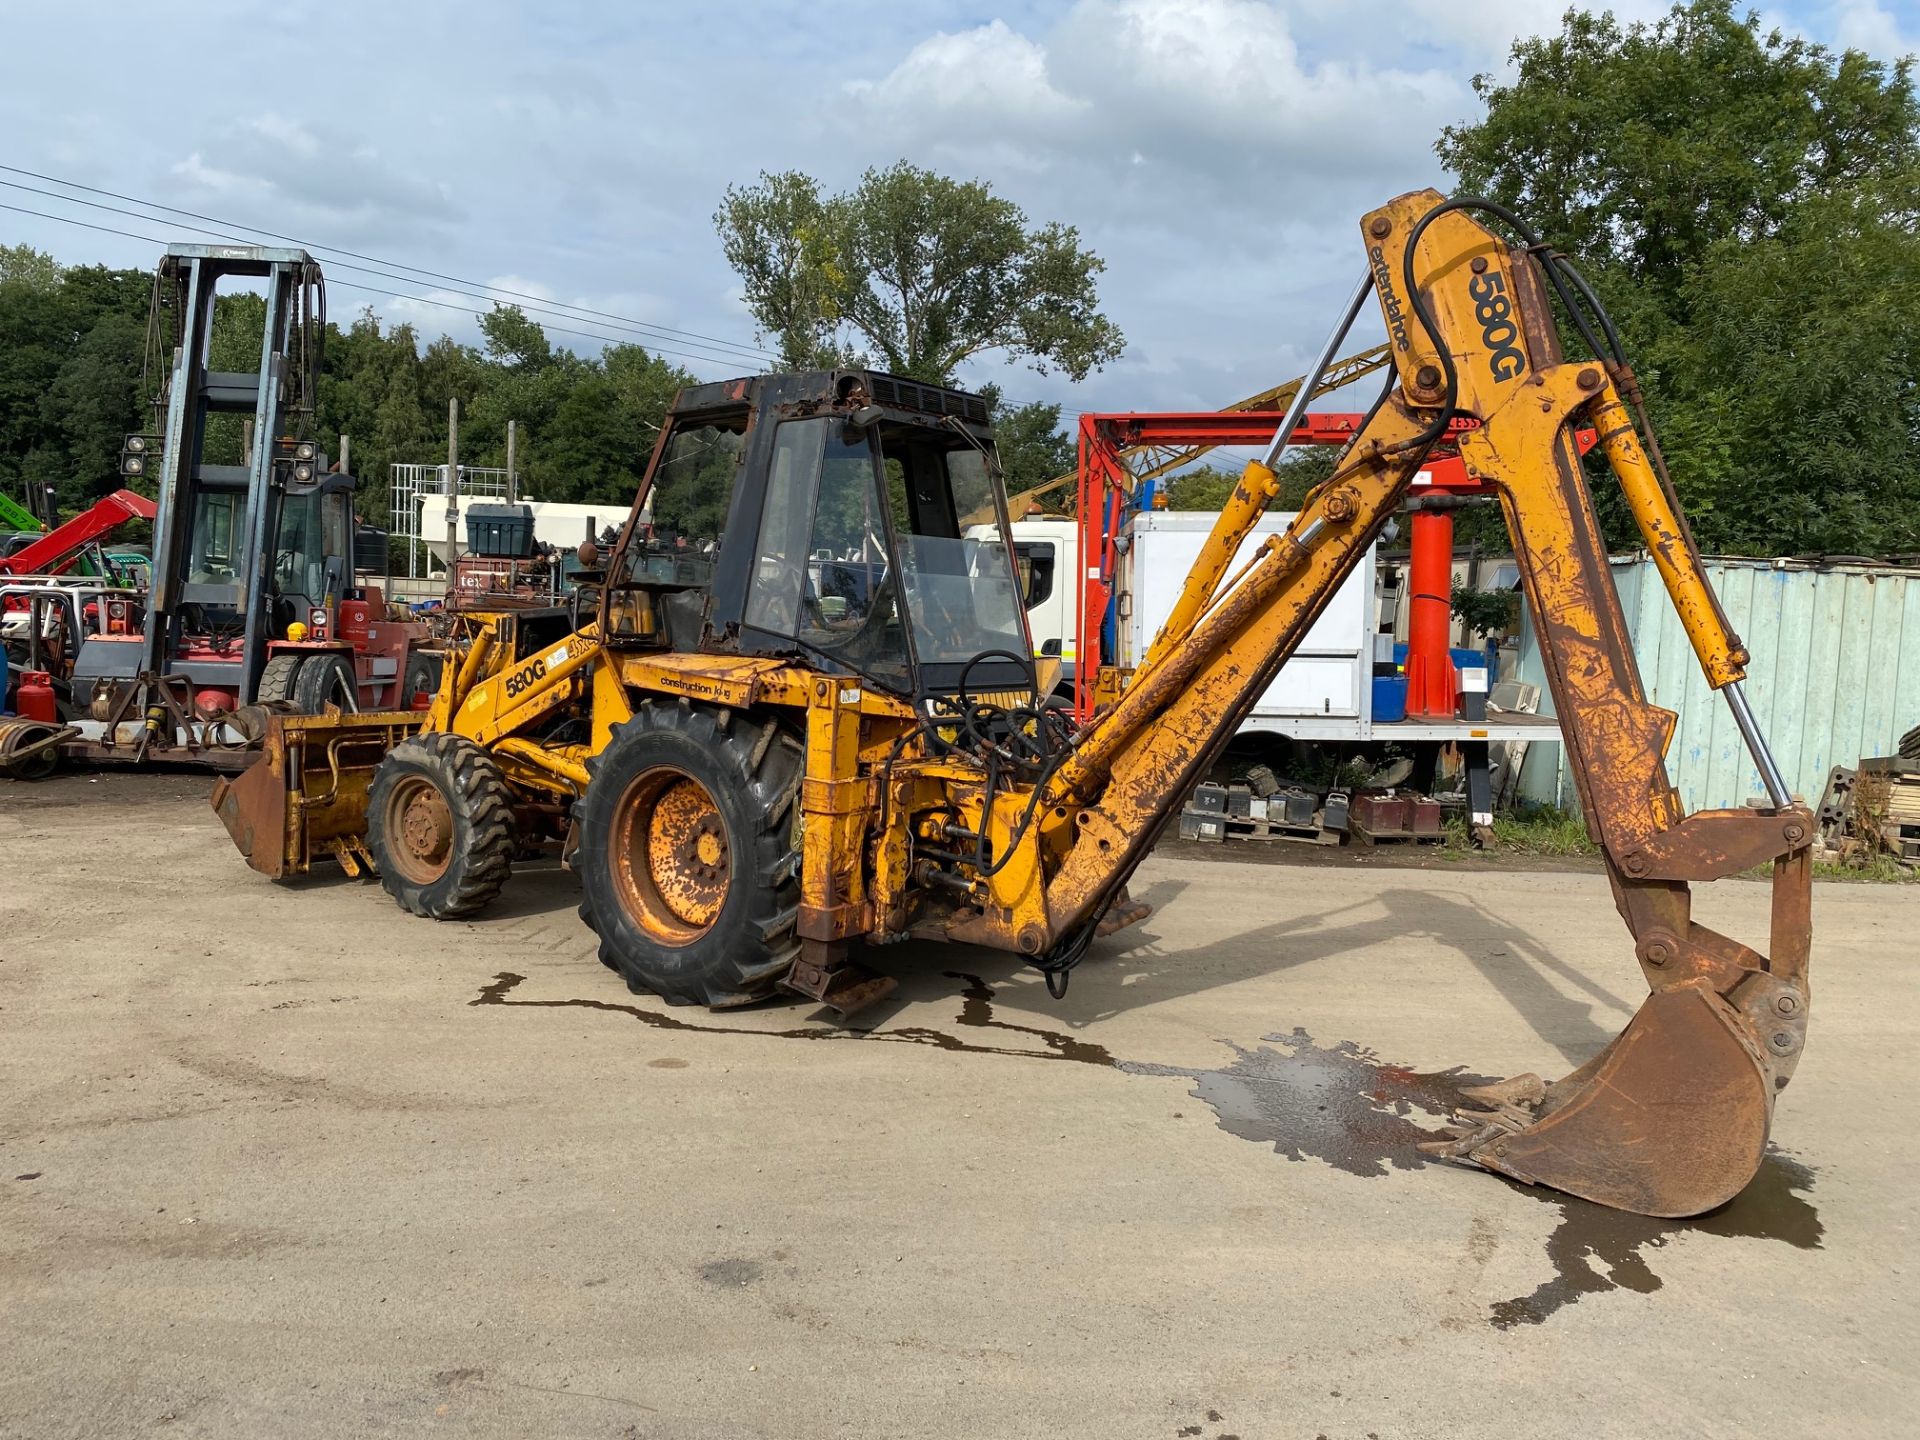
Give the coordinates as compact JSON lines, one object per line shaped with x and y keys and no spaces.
{"x":1722,"y":658}
{"x":671,"y":862}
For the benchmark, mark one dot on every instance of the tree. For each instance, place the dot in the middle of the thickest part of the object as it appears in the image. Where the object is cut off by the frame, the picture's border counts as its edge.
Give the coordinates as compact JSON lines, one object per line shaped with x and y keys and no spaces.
{"x":70,"y":354}
{"x":1033,"y":449}
{"x":922,"y":271}
{"x":24,"y":265}
{"x":1745,"y":203}
{"x":785,"y":243}
{"x":515,"y":340}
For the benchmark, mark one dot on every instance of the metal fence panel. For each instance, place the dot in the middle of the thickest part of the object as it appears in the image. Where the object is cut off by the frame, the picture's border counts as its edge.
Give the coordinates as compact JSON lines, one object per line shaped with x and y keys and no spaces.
{"x":1835,"y":674}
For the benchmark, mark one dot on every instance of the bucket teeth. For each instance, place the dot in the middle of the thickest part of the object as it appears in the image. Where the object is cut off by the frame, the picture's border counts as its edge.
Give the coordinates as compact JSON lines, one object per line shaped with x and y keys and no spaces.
{"x":1510,"y":1110}
{"x":1526,"y":1090}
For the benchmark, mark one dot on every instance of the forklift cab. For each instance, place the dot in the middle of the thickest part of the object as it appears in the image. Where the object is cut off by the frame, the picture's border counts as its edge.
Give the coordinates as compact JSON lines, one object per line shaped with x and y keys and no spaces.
{"x":307,"y":549}
{"x":818,"y":516}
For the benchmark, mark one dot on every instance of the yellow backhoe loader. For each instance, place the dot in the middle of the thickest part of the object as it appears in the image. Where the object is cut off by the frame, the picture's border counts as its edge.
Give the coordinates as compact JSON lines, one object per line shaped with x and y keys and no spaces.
{"x":806,"y":712}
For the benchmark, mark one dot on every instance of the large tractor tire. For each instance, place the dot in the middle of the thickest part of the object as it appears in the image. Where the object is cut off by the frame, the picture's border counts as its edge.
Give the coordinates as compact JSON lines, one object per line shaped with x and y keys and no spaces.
{"x":688,"y":850}
{"x":326,"y":679}
{"x":278,"y":680}
{"x":440,"y":826}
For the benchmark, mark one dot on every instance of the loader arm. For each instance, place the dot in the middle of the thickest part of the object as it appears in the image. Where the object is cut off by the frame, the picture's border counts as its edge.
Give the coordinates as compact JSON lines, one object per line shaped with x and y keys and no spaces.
{"x":1672,"y":1118}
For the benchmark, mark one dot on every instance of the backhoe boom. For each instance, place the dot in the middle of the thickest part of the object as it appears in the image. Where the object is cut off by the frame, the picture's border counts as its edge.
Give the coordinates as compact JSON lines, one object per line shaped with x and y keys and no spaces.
{"x":1673,"y":1117}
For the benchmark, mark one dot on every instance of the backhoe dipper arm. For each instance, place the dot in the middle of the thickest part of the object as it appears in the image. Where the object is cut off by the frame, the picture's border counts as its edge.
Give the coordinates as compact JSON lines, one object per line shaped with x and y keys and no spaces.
{"x":1672,"y":1118}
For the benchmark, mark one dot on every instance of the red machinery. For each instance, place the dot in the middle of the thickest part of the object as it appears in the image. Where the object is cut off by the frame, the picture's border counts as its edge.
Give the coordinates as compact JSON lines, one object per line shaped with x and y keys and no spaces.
{"x":1107,"y":489}
{"x":60,"y":547}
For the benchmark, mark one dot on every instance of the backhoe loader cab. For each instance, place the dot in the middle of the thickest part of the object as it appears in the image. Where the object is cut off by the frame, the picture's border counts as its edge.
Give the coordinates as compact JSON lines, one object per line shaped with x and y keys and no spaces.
{"x":818,"y":516}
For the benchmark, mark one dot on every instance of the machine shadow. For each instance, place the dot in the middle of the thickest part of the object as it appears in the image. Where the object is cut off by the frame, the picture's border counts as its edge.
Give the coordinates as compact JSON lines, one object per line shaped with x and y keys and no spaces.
{"x":1137,"y":968}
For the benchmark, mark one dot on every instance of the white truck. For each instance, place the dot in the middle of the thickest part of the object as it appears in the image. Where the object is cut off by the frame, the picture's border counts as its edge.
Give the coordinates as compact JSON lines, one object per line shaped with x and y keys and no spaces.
{"x":1324,"y":692}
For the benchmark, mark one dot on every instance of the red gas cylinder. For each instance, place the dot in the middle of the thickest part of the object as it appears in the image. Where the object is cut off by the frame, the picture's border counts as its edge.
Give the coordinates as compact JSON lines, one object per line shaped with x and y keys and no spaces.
{"x":34,"y":698}
{"x":356,"y":618}
{"x":212,"y":699}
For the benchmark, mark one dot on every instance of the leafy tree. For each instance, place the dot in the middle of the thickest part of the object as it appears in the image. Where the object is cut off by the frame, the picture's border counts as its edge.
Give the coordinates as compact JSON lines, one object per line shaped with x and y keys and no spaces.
{"x":70,"y":351}
{"x":72,"y":343}
{"x":1485,"y":612}
{"x":923,"y":271}
{"x":1745,"y":202}
{"x":515,"y":340}
{"x":23,"y":265}
{"x":786,"y":243}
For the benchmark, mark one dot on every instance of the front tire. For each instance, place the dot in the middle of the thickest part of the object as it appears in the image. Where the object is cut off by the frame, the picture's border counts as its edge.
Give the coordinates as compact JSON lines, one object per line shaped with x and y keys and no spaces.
{"x":440,"y":826}
{"x":326,"y":679}
{"x":687,"y":857}
{"x":278,"y":680}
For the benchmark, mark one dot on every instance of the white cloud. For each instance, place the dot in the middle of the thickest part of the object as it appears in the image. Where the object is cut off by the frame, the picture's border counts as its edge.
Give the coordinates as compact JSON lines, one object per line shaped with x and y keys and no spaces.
{"x":1864,"y":25}
{"x":1215,"y":152}
{"x":991,"y":71}
{"x":290,"y":135}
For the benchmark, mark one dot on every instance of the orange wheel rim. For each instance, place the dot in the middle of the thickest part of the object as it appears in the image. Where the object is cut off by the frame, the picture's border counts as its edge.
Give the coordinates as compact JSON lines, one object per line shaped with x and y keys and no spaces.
{"x":671,"y":860}
{"x":419,"y":830}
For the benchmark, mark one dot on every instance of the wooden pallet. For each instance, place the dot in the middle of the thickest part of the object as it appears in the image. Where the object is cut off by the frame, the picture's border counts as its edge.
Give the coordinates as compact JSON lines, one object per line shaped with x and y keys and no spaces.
{"x":1210,"y":827}
{"x":1395,"y":837}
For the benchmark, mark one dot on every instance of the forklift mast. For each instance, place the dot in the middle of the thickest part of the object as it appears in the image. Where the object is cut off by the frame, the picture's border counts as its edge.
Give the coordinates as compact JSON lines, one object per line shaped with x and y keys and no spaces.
{"x":215,"y":523}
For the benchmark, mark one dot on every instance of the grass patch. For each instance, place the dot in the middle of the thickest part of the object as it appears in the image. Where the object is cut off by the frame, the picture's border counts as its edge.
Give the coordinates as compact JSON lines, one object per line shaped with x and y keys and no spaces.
{"x":1880,"y":870}
{"x":1542,"y":830}
{"x":1548,"y":830}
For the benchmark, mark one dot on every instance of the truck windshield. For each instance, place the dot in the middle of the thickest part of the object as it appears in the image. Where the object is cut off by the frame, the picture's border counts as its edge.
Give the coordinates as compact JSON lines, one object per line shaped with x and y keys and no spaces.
{"x":219,"y":535}
{"x":300,"y":548}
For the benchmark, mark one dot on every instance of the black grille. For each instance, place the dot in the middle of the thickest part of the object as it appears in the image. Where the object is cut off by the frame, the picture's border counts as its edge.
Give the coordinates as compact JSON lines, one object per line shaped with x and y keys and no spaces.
{"x":905,"y":394}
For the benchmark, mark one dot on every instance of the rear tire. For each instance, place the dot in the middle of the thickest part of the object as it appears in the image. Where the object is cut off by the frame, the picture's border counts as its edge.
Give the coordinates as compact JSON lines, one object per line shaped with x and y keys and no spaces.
{"x":326,"y":679}
{"x":687,"y":857}
{"x":277,"y":681}
{"x":422,"y":674}
{"x":440,"y":826}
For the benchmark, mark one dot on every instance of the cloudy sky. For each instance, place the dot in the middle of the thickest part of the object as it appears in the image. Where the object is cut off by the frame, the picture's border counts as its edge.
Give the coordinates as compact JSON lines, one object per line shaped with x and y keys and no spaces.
{"x":1215,"y":152}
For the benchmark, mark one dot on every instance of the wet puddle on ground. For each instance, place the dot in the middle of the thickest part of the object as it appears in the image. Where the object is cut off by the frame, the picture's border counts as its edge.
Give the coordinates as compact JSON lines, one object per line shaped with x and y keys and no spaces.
{"x":1342,"y":1106}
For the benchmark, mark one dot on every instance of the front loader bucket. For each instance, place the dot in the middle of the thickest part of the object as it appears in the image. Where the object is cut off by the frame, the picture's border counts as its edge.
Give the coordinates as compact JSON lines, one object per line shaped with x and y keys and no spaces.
{"x":306,"y":796}
{"x":253,"y":807}
{"x":1670,"y":1119}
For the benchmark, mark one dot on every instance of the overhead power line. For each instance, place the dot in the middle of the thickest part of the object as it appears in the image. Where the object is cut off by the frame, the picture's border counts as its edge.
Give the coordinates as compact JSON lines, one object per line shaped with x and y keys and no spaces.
{"x":547,"y":306}
{"x":356,"y":288}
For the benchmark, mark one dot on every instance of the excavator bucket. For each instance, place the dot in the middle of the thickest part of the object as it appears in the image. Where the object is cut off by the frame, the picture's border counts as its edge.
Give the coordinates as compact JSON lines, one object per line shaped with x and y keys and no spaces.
{"x":306,"y":796}
{"x":1671,"y":1119}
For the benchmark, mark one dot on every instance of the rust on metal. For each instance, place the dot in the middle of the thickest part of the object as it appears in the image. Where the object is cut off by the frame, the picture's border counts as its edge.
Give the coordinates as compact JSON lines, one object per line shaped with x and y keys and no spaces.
{"x":29,"y":749}
{"x":672,"y":863}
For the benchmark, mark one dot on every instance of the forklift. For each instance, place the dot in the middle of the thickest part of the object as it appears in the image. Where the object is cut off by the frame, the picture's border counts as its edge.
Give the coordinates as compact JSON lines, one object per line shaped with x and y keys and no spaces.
{"x":254,"y":602}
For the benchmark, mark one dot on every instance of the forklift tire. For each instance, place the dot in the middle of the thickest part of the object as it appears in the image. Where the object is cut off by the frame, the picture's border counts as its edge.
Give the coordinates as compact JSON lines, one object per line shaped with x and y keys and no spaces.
{"x":440,"y":826}
{"x":277,"y":681}
{"x":326,"y":679}
{"x":688,"y":855}
{"x":422,"y":675}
